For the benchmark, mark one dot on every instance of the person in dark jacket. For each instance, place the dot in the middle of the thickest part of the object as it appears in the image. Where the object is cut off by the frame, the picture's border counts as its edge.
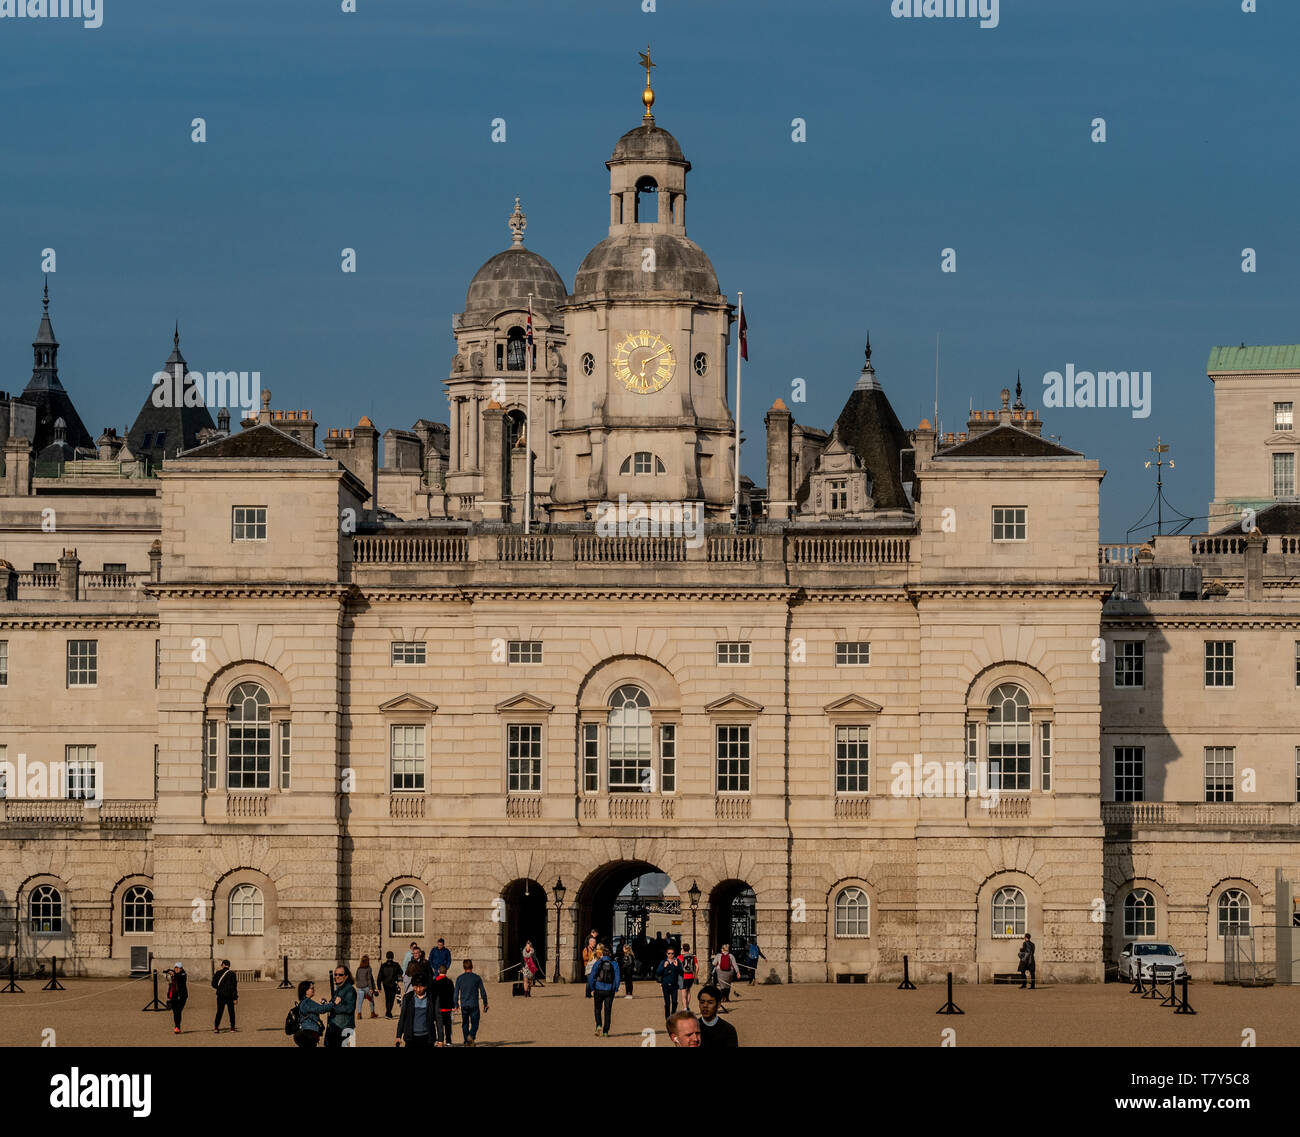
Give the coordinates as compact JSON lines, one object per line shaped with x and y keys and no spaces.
{"x":669,"y":974}
{"x":440,"y":957}
{"x":1026,"y":966}
{"x":752,"y":955}
{"x":343,"y":1012}
{"x":309,"y":1013}
{"x":419,"y":966}
{"x":178,"y":993}
{"x":390,"y":975}
{"x":714,"y":1029}
{"x":602,"y":984}
{"x":469,"y":990}
{"x":226,"y":984}
{"x":443,"y":996}
{"x":415,"y":1023}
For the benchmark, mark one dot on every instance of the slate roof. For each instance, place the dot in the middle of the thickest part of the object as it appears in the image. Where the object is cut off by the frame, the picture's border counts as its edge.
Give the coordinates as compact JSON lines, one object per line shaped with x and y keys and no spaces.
{"x":48,"y":395}
{"x":1006,"y":441}
{"x":181,"y":425}
{"x":1282,"y":517}
{"x":260,"y":441}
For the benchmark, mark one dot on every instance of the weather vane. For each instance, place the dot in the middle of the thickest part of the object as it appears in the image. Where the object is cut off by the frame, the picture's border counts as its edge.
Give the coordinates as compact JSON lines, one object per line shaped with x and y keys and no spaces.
{"x":648,"y":95}
{"x":1159,"y":450}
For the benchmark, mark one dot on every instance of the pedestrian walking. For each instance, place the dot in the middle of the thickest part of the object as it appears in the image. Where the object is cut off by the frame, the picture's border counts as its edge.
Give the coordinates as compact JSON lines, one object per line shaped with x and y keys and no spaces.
{"x":390,"y":975}
{"x":724,"y":973}
{"x":226,"y":984}
{"x":469,"y":990}
{"x":1027,"y":967}
{"x":753,"y":953}
{"x":443,"y":993}
{"x":309,"y":1013}
{"x":684,"y":1029}
{"x":627,"y":964}
{"x":690,"y":967}
{"x":178,"y":993}
{"x":419,"y":965}
{"x":602,"y":984}
{"x":440,"y":957}
{"x":406,"y":966}
{"x":669,"y":974}
{"x":714,"y":1030}
{"x":343,"y":1011}
{"x":588,"y":957}
{"x":415,"y":1023}
{"x":530,"y":969}
{"x":365,"y":987}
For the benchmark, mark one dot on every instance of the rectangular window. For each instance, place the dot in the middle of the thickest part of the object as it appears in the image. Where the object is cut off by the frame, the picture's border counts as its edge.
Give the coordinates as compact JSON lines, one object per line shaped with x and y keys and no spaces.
{"x":4,"y":663}
{"x":852,"y":761}
{"x":1284,"y":475}
{"x":1130,"y":663}
{"x":249,"y":523}
{"x":285,"y":751}
{"x":157,"y":662}
{"x":733,"y":652}
{"x":1219,"y":772}
{"x":1130,"y":773}
{"x":972,"y":759}
{"x":4,"y":776}
{"x":407,"y":758}
{"x":1010,"y":522}
{"x":83,"y":663}
{"x":210,"y":753}
{"x":668,"y":758}
{"x":852,"y":653}
{"x":1297,"y":771}
{"x":839,"y":493}
{"x":524,"y":651}
{"x":158,"y":442}
{"x":733,"y":759}
{"x":1009,"y":757}
{"x":590,"y":757}
{"x":1045,"y":754}
{"x":524,"y":757}
{"x":1297,"y":664}
{"x":408,"y":653}
{"x":248,"y":753}
{"x":1218,"y":663}
{"x":81,"y":772}
{"x":1282,"y":419}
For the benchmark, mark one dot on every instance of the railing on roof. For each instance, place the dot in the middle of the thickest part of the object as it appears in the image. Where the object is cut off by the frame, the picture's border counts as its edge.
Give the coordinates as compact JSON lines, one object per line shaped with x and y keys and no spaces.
{"x":424,"y":550}
{"x":1117,"y":554}
{"x":850,"y":550}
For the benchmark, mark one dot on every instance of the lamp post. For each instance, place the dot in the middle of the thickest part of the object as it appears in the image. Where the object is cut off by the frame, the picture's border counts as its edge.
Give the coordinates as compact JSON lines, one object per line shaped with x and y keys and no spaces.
{"x":694,"y":893}
{"x":559,"y":890}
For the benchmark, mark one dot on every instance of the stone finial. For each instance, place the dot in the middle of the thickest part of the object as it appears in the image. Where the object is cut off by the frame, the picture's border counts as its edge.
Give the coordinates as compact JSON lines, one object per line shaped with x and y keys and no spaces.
{"x":779,"y":405}
{"x":266,"y":399}
{"x":1006,"y":398}
{"x":518,"y":223}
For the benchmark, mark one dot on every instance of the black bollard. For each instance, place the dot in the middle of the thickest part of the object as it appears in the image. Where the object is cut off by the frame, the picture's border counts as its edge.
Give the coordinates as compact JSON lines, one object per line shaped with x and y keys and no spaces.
{"x":285,"y":981}
{"x":154,"y":1004}
{"x":906,"y":984}
{"x":11,"y":986}
{"x":950,"y":1008}
{"x":1137,"y":988}
{"x":1184,"y":1007}
{"x":54,"y":984}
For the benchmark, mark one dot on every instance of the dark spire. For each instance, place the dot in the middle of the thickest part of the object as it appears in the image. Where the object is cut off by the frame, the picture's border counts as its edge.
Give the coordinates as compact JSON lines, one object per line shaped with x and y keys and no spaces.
{"x":868,"y":345}
{"x":45,"y":333}
{"x":1020,"y":406}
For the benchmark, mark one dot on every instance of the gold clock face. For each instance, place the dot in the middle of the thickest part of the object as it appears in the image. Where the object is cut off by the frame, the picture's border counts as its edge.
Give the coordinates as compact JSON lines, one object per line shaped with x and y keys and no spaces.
{"x":644,"y":362}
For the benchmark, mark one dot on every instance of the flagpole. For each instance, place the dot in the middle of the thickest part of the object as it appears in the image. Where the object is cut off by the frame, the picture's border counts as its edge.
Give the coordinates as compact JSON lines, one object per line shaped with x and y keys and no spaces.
{"x":740,"y":324}
{"x":528,"y":424}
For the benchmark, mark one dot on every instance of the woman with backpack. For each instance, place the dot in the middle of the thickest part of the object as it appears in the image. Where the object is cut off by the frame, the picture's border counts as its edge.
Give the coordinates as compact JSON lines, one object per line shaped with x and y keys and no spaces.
{"x":724,"y":971}
{"x":178,"y":993}
{"x":365,"y":987}
{"x":602,"y":985}
{"x":303,"y":1021}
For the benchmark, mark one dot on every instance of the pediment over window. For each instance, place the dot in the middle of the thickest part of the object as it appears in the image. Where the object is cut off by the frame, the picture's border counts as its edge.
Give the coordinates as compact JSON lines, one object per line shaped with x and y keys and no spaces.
{"x":408,"y":702}
{"x":732,"y":702}
{"x":525,"y":702}
{"x":853,"y":703}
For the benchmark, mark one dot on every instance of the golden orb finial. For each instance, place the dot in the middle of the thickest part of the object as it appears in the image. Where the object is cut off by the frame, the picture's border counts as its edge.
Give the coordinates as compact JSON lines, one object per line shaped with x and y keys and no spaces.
{"x":648,"y":95}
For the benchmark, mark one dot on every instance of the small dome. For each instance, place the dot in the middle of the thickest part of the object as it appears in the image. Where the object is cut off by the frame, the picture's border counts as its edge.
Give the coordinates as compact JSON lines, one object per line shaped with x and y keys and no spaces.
{"x":507,"y":279}
{"x":648,"y":143}
{"x":616,"y":265}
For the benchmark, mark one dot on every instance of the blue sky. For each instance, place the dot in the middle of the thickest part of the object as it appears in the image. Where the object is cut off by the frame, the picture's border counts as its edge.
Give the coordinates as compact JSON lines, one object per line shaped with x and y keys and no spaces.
{"x":373,"y":131}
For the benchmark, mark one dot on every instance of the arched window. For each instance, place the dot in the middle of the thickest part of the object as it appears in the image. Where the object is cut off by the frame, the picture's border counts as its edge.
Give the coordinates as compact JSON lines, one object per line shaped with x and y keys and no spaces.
{"x":649,"y":212}
{"x":406,"y":912}
{"x":248,"y":739}
{"x":629,"y":740}
{"x":515,"y":350}
{"x":642,"y":462}
{"x":137,"y":911}
{"x":45,"y":910}
{"x":1009,"y":910}
{"x":852,"y":914}
{"x":1008,"y":738}
{"x":247,"y":911}
{"x":1234,"y":913}
{"x":516,"y":423}
{"x":1139,"y":915}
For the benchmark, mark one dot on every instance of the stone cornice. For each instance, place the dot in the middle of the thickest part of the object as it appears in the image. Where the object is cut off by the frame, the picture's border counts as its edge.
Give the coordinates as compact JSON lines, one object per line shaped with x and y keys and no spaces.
{"x":74,"y":621}
{"x":614,"y":592}
{"x":1011,"y":590}
{"x":243,"y":590}
{"x":1218,"y":621}
{"x":855,"y":595}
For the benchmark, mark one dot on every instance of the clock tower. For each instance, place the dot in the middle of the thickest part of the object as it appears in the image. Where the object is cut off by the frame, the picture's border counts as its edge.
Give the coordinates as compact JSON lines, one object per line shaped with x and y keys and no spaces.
{"x":646,"y":411}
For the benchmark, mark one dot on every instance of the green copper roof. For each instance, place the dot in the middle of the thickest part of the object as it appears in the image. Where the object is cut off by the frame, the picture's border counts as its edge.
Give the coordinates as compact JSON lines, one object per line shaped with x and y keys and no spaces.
{"x":1255,"y":357}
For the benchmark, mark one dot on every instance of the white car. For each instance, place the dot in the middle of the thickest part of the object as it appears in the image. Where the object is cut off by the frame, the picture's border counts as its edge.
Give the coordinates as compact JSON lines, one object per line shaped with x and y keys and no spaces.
{"x":1147,"y":956}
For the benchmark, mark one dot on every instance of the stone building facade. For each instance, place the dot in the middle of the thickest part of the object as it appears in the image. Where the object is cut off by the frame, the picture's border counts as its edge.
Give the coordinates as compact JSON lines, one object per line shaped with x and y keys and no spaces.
{"x":288,"y":701}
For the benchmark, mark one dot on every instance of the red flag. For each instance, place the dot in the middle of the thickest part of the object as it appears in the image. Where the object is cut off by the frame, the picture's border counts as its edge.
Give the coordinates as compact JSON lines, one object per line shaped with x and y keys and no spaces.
{"x":744,"y":339}
{"x":530,"y":329}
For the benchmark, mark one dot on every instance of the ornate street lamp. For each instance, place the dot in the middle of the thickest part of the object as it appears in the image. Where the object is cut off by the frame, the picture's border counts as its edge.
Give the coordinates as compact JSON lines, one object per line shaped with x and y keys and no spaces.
{"x":558,"y":891}
{"x":694,"y":893}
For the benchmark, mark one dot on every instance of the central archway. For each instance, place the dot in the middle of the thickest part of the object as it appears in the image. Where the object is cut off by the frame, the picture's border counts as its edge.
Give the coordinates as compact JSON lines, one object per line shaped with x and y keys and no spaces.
{"x":525,"y":918}
{"x":634,"y":901}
